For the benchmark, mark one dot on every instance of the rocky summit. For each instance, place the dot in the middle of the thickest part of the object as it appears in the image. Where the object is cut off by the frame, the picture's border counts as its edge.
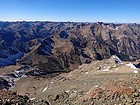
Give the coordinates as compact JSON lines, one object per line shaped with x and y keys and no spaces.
{"x":69,"y":63}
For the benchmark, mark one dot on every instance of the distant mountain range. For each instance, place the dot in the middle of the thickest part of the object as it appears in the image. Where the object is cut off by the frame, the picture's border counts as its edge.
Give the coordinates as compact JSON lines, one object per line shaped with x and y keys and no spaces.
{"x":63,"y":46}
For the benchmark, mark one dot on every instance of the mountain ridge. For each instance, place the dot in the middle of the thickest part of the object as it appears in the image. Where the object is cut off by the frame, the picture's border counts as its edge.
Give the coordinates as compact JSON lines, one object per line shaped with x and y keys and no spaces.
{"x":66,"y":44}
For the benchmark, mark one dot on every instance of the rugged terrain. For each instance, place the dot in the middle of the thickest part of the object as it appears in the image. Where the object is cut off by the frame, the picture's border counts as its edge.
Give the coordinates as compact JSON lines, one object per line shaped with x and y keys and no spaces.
{"x":67,"y":63}
{"x":63,"y":46}
{"x":98,"y":83}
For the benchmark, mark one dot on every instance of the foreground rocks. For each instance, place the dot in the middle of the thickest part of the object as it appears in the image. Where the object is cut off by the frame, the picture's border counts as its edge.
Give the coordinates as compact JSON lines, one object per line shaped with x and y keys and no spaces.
{"x":122,"y":92}
{"x":125,"y":91}
{"x":107,"y":82}
{"x":12,"y":98}
{"x":115,"y":92}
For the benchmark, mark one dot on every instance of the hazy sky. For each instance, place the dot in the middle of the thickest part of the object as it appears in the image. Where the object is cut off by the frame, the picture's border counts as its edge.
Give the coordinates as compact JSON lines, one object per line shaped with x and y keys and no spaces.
{"x":71,"y":10}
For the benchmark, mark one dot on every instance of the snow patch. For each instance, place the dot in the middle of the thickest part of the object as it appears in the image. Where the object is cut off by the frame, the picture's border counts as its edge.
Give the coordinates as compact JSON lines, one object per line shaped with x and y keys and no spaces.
{"x":96,"y":86}
{"x":116,"y":27}
{"x":117,"y":59}
{"x":32,"y":99}
{"x":136,"y":71}
{"x":105,"y":70}
{"x":45,"y":89}
{"x":86,"y":72}
{"x":131,"y":65}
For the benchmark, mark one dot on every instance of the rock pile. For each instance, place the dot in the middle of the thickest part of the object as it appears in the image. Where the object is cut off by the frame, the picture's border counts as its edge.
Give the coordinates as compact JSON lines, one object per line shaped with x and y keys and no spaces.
{"x":125,"y":92}
{"x":12,"y":98}
{"x":116,"y":92}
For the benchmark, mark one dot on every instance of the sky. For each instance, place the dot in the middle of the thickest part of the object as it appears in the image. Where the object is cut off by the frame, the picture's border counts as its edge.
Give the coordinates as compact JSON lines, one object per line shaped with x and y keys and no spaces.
{"x":122,"y":11}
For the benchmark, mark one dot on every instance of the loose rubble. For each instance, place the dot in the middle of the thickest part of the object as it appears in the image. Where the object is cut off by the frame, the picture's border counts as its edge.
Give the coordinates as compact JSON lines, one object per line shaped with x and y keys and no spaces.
{"x":12,"y":98}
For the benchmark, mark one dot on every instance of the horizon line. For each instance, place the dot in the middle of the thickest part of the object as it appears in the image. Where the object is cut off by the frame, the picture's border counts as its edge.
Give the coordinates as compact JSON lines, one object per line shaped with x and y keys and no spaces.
{"x":68,"y":21}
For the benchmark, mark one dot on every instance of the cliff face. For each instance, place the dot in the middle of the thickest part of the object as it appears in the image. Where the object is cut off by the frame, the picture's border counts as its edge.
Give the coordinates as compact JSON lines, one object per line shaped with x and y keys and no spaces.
{"x":63,"y":46}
